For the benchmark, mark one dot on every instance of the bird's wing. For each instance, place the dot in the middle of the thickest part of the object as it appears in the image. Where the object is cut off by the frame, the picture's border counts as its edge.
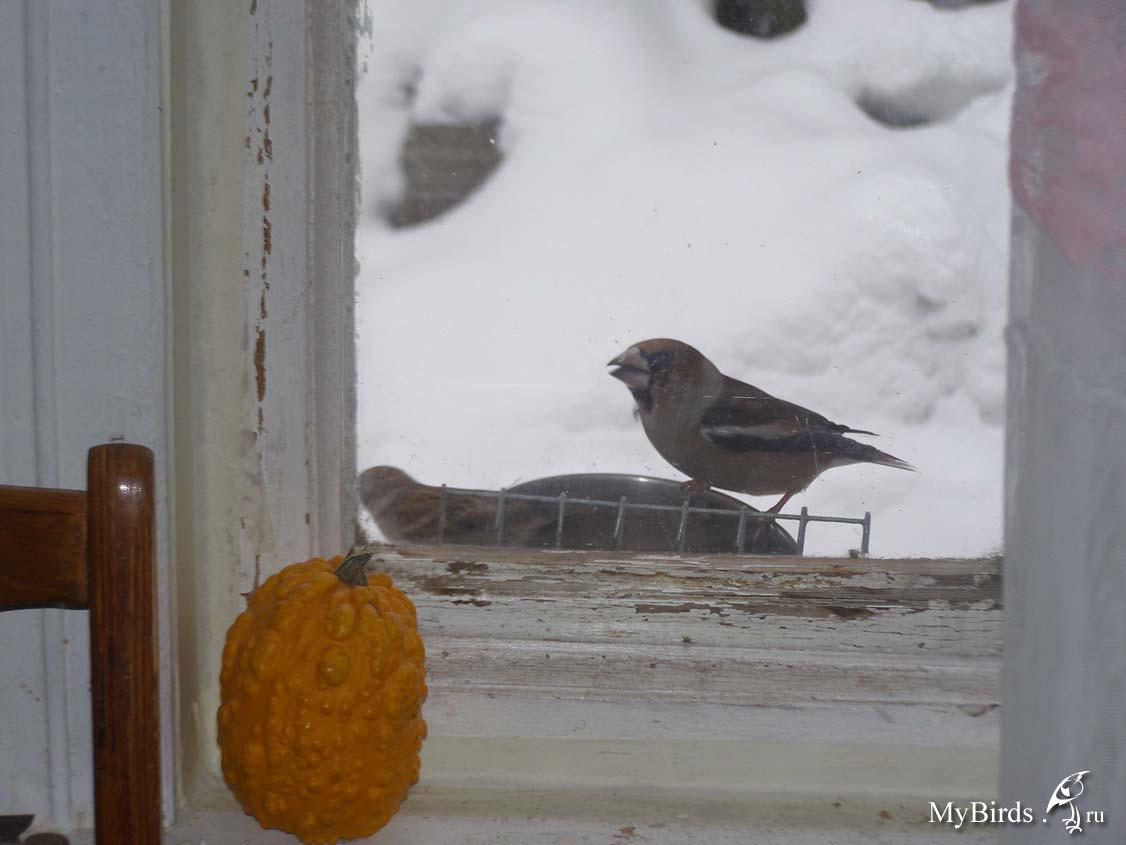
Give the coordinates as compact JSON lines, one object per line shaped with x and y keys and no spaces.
{"x":742,"y":409}
{"x":746,"y":419}
{"x":743,"y":417}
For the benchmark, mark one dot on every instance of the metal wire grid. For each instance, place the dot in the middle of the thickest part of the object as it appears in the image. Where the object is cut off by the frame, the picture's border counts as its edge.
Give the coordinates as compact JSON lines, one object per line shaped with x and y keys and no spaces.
{"x":624,"y":506}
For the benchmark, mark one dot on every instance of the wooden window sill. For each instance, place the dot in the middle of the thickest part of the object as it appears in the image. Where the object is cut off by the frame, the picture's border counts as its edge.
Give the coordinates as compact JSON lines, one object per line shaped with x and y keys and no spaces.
{"x":610,"y":696}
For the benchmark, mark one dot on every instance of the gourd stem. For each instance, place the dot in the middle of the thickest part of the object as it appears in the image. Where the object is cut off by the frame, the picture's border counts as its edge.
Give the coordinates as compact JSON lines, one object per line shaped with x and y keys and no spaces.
{"x":354,"y":569}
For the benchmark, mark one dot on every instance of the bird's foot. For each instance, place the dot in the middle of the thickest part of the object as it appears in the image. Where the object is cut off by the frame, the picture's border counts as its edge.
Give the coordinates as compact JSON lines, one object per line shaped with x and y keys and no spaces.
{"x":764,"y":524}
{"x":762,"y":529}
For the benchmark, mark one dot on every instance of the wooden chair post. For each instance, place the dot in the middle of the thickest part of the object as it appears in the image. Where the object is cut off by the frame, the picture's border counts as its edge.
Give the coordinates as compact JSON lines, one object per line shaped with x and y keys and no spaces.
{"x":122,"y":584}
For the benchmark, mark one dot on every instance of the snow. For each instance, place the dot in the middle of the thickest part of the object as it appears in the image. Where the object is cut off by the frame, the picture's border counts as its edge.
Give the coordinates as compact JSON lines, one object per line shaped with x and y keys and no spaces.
{"x":665,"y":177}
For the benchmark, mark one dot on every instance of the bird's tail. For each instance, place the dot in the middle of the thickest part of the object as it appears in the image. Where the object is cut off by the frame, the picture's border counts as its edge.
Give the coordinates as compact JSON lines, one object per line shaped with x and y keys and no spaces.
{"x":844,"y":450}
{"x":852,"y":451}
{"x":886,"y":460}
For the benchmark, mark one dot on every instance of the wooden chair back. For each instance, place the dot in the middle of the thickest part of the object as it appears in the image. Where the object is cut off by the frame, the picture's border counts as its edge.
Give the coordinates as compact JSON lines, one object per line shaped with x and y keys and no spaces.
{"x":94,"y":550}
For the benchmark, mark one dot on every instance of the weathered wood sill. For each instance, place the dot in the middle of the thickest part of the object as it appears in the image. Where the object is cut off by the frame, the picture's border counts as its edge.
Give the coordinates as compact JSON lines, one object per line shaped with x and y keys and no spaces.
{"x":602,"y":697}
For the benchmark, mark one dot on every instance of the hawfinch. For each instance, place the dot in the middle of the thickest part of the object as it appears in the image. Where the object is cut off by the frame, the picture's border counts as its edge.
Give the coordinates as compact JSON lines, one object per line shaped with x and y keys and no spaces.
{"x":407,"y":511}
{"x":724,"y":433}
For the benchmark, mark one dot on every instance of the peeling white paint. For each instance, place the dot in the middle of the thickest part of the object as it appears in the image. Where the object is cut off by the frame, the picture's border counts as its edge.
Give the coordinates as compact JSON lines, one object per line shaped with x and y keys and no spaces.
{"x":566,"y":706}
{"x":264,"y":386}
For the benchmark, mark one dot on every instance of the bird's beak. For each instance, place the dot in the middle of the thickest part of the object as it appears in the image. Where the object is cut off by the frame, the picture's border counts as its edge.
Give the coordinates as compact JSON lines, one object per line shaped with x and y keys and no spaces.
{"x":632,"y":368}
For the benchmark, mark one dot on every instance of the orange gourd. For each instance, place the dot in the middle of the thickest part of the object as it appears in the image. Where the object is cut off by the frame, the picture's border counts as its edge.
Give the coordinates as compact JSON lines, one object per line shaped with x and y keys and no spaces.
{"x":322,"y":687}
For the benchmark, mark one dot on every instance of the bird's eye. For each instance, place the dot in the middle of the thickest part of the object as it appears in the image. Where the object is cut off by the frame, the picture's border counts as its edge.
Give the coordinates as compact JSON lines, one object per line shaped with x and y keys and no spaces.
{"x":660,"y":360}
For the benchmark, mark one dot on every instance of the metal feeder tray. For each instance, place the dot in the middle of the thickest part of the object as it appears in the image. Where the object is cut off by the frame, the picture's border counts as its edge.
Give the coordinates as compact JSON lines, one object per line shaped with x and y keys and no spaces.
{"x":610,"y":511}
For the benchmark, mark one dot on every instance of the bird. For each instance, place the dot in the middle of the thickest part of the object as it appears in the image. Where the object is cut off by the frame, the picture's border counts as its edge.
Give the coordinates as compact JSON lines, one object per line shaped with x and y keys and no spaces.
{"x":408,"y":511}
{"x":725,"y":433}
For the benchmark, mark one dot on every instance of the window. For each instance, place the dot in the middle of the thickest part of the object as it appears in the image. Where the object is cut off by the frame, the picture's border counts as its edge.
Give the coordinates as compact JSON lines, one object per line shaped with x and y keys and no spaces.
{"x":653,"y":647}
{"x":815,"y":201}
{"x":545,"y":185}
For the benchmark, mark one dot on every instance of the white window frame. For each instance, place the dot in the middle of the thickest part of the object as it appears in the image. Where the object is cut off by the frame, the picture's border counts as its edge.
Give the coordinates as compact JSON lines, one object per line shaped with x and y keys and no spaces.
{"x":261,"y":140}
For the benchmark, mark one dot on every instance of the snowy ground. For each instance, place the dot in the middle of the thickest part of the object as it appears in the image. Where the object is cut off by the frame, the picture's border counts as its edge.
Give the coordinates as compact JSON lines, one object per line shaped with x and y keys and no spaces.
{"x":665,"y":177}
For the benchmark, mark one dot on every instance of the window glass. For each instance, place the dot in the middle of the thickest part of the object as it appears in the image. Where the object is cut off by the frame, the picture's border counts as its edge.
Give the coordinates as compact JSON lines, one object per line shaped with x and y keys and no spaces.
{"x":812,"y":196}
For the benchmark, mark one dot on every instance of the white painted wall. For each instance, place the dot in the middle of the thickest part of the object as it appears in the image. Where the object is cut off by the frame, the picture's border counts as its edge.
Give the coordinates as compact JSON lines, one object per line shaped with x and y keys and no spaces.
{"x":82,"y":338}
